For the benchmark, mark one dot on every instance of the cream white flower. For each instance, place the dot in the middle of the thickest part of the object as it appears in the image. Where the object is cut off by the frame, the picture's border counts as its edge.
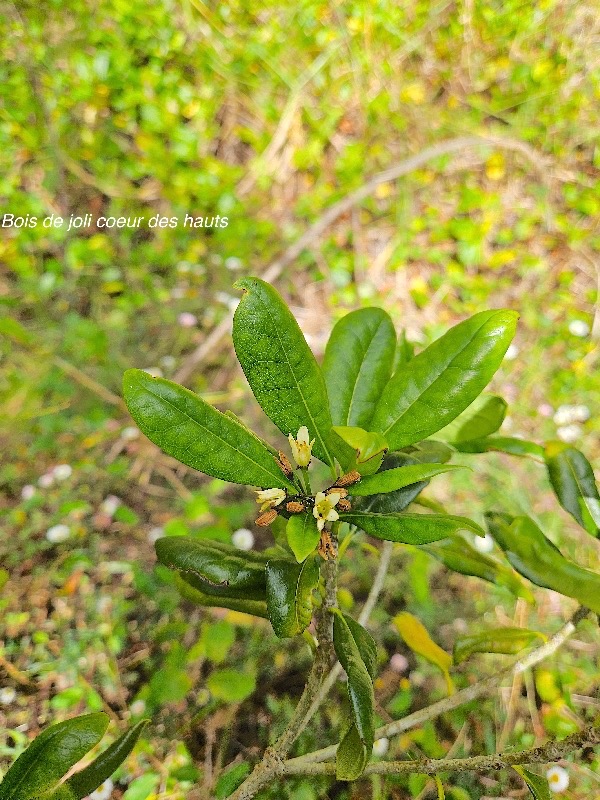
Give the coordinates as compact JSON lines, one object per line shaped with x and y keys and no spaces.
{"x":103,"y":792}
{"x":579,"y":327}
{"x":301,"y":447}
{"x":7,"y":696}
{"x":110,"y":504}
{"x":380,"y":746}
{"x":27,"y":492}
{"x":243,"y":539}
{"x":155,"y":533}
{"x":484,"y":544}
{"x":558,"y":778}
{"x":58,"y":533}
{"x":569,"y":433}
{"x":269,"y":498}
{"x":324,"y":509}
{"x":187,"y":319}
{"x":46,"y":480}
{"x":62,"y":472}
{"x":511,"y":353}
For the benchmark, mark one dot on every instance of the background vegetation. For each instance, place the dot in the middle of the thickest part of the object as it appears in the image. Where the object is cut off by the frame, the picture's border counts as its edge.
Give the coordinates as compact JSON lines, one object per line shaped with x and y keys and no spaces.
{"x":268,"y":115}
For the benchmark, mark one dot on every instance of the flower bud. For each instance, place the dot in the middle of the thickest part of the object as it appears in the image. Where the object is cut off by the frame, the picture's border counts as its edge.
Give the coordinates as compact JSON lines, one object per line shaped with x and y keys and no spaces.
{"x":284,"y":464}
{"x":294,"y":507}
{"x":301,"y":447}
{"x":344,"y":505}
{"x":348,"y":479}
{"x":266,"y":518}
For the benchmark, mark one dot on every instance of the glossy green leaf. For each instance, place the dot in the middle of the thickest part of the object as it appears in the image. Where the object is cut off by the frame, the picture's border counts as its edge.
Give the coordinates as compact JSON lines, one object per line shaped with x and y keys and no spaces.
{"x":302,"y":535}
{"x":574,"y":483}
{"x":437,"y":384}
{"x":505,"y":641}
{"x":51,"y":755}
{"x":358,"y":364}
{"x":367,"y":646}
{"x":539,"y":560}
{"x":502,"y":444}
{"x":430,"y":451}
{"x":483,"y":417}
{"x":289,"y":595}
{"x":214,"y":568}
{"x":410,"y":528}
{"x":392,"y":502}
{"x":364,"y":452}
{"x":279,"y":365}
{"x":537,"y":784}
{"x":187,"y":428}
{"x":352,"y":756}
{"x":92,"y":776}
{"x":360,"y":689}
{"x":405,"y":351}
{"x":257,"y":608}
{"x":457,"y":554}
{"x":391,"y":480}
{"x":417,"y":637}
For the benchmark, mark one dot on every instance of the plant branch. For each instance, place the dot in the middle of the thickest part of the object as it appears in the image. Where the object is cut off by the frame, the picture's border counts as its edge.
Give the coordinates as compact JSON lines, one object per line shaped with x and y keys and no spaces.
{"x":552,"y":751}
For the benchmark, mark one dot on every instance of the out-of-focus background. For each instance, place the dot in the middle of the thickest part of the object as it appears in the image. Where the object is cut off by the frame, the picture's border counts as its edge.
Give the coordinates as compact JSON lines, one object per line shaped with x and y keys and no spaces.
{"x":268,"y":114}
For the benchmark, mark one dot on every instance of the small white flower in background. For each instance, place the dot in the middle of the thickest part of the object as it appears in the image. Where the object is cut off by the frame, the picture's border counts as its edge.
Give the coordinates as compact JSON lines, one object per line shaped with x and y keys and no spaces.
{"x":46,"y":480}
{"x":187,"y":320}
{"x":545,"y":410}
{"x":399,"y":663}
{"x":578,"y":327}
{"x":569,"y":433}
{"x":567,"y":414}
{"x":168,"y":362}
{"x":269,"y":498}
{"x":155,"y":533}
{"x":582,"y":413}
{"x":137,"y":708}
{"x":154,"y":372}
{"x":110,"y":505}
{"x":380,"y":746}
{"x":511,"y":353}
{"x":130,"y":433}
{"x":62,"y":472}
{"x":103,"y":792}
{"x":558,"y":778}
{"x":58,"y":533}
{"x":27,"y":492}
{"x":324,"y":509}
{"x":233,"y":263}
{"x":301,"y":447}
{"x":7,"y":695}
{"x":485,"y":544}
{"x":243,"y":539}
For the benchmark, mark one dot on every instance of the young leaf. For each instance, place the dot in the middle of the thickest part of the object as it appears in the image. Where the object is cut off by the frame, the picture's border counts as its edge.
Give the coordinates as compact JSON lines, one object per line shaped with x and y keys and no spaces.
{"x":535,"y":557}
{"x":360,"y":692}
{"x":352,"y":756}
{"x":574,"y":483}
{"x":416,"y":636}
{"x":409,"y":528}
{"x":358,"y":364}
{"x":506,"y":641}
{"x":289,"y":595}
{"x":391,"y":480}
{"x":537,"y":785}
{"x":214,"y":568}
{"x":302,"y":535}
{"x":192,"y":431}
{"x":279,"y":365}
{"x":436,"y":385}
{"x":257,"y":608}
{"x":368,"y":449}
{"x":483,"y":417}
{"x":51,"y":755}
{"x":502,"y":444}
{"x":91,"y":777}
{"x":457,"y":554}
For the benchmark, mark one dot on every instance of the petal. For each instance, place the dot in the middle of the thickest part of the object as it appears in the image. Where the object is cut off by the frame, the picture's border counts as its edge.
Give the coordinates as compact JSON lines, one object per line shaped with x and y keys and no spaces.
{"x":320,"y":524}
{"x":332,"y":516}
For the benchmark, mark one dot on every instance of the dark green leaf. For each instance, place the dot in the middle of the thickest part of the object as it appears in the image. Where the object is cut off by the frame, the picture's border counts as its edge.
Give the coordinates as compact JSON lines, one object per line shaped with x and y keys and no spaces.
{"x":360,"y":686}
{"x":392,"y":502}
{"x":365,"y":643}
{"x":506,"y":641}
{"x":535,"y":557}
{"x":537,"y":785}
{"x":574,"y":483}
{"x":302,"y":535}
{"x":289,"y":595}
{"x":483,"y":417}
{"x":436,"y":385}
{"x":358,"y":364}
{"x":195,"y":433}
{"x":51,"y":755}
{"x":230,"y":780}
{"x":352,"y":756}
{"x":410,"y":528}
{"x":90,"y":778}
{"x":257,"y":608}
{"x":391,"y":480}
{"x":457,"y":554}
{"x":502,"y":444}
{"x":214,"y":568}
{"x":279,"y":365}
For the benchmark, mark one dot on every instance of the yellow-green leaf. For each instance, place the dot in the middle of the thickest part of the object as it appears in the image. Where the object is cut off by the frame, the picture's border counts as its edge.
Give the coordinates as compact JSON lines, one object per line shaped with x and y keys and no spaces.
{"x":417,"y":637}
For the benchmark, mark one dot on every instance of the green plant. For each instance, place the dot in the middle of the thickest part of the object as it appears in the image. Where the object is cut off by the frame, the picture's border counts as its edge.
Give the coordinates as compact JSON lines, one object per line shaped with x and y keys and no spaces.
{"x":38,"y":772}
{"x":367,"y":415}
